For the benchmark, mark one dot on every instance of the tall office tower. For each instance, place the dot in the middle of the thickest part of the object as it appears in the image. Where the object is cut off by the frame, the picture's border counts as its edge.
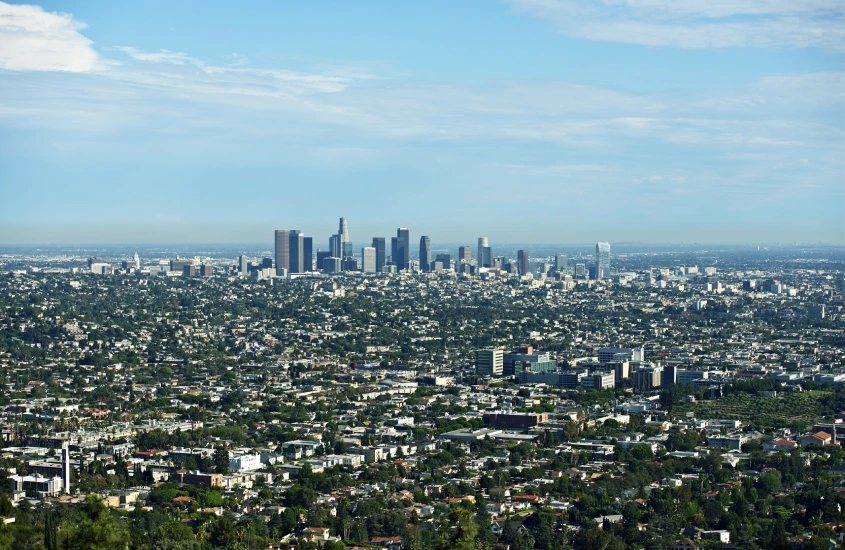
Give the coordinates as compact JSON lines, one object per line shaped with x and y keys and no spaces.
{"x":266,"y":263}
{"x":243,"y":265}
{"x":296,"y":256}
{"x":522,"y":261}
{"x":343,"y":230}
{"x":136,"y":261}
{"x":441,"y":261}
{"x":335,"y":246}
{"x":345,"y":243}
{"x":394,"y":251}
{"x":368,"y":259}
{"x":602,"y":260}
{"x":464,"y":254}
{"x":580,"y":271}
{"x":321,"y":257}
{"x":282,"y":250}
{"x":425,"y":253}
{"x":378,"y":244}
{"x":403,"y":244}
{"x":561,"y":262}
{"x":486,"y":258}
{"x":307,"y":254}
{"x":482,"y":244}
{"x":489,"y":362}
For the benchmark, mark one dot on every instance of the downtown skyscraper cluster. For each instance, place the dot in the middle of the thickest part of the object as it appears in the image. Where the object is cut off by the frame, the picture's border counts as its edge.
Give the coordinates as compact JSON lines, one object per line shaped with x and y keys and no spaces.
{"x":294,"y":253}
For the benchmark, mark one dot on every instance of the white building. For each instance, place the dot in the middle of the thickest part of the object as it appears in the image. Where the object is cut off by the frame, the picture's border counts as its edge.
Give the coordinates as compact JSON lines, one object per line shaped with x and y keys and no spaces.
{"x":368,"y":259}
{"x":244,"y":462}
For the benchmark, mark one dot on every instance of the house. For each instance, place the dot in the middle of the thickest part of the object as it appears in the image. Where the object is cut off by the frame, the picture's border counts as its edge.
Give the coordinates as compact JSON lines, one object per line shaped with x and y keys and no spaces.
{"x":780,"y":444}
{"x":818,"y":439}
{"x":316,"y":533}
{"x":391,"y":543}
{"x":498,"y":526}
{"x":685,"y":544}
{"x":797,"y":543}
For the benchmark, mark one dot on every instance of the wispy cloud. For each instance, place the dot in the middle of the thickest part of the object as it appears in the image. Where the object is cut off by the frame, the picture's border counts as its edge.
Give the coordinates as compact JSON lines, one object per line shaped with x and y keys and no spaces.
{"x":700,"y":23}
{"x":32,"y":39}
{"x":560,"y":135}
{"x":162,"y":56}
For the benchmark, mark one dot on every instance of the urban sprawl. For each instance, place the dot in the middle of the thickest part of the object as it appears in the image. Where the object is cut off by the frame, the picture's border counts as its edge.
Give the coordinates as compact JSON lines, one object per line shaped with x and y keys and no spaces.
{"x":384,"y":397}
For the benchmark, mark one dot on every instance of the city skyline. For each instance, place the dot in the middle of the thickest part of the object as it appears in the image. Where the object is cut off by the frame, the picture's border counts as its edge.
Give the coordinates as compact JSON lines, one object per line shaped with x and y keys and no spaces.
{"x":723,"y":123}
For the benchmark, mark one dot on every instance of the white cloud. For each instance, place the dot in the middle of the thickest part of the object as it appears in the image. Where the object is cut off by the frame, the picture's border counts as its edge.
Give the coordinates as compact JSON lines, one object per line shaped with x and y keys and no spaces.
{"x":32,"y":39}
{"x":698,"y":23}
{"x":162,"y":56}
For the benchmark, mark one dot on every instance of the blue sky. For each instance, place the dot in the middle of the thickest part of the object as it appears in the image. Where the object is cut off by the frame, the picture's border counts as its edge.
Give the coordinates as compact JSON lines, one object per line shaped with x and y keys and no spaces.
{"x":544,"y":121}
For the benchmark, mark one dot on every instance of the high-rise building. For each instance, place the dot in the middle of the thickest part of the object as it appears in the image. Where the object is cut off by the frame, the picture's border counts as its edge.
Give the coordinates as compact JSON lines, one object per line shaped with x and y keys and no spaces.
{"x":332,"y":265}
{"x":441,"y":261}
{"x":368,"y":259}
{"x":602,"y":260}
{"x":296,"y":252}
{"x":464,"y":254}
{"x":482,"y":244}
{"x":282,"y":250}
{"x":403,"y":247}
{"x":335,"y":246}
{"x":345,"y":243}
{"x":648,"y":378}
{"x":136,"y":261}
{"x":522,"y":261}
{"x":561,"y":262}
{"x":343,"y":230}
{"x":486,"y":258}
{"x":307,"y":254}
{"x":425,"y":253}
{"x":378,"y":244}
{"x":243,"y":265}
{"x":321,"y":257}
{"x":580,"y":271}
{"x":489,"y":362}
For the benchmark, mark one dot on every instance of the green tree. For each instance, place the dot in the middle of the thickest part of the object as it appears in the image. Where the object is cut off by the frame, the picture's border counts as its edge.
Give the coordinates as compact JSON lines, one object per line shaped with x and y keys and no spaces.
{"x":221,"y":460}
{"x":97,"y":529}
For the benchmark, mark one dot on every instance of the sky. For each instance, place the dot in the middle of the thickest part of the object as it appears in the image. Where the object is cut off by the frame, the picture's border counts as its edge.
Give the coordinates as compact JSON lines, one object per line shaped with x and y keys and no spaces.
{"x":527,"y":121}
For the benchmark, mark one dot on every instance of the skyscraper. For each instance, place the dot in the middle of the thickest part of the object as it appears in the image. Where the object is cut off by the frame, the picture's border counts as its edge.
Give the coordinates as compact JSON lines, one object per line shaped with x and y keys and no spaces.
{"x":602,"y":260}
{"x":368,"y":259}
{"x":561,"y":262}
{"x":307,"y":254}
{"x":522,"y":261}
{"x":425,"y":253}
{"x":335,"y":246}
{"x":282,"y":250}
{"x":486,"y":259}
{"x":345,"y":243}
{"x":464,"y":254}
{"x":321,"y":258}
{"x":243,"y":265}
{"x":343,"y":230}
{"x":403,"y":248}
{"x":136,"y":261}
{"x":482,"y":243}
{"x":296,"y":251}
{"x":378,"y":244}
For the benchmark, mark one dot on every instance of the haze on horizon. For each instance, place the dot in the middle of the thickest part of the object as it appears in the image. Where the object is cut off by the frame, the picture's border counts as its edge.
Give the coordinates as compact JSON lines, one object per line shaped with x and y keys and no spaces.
{"x":544,"y":121}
